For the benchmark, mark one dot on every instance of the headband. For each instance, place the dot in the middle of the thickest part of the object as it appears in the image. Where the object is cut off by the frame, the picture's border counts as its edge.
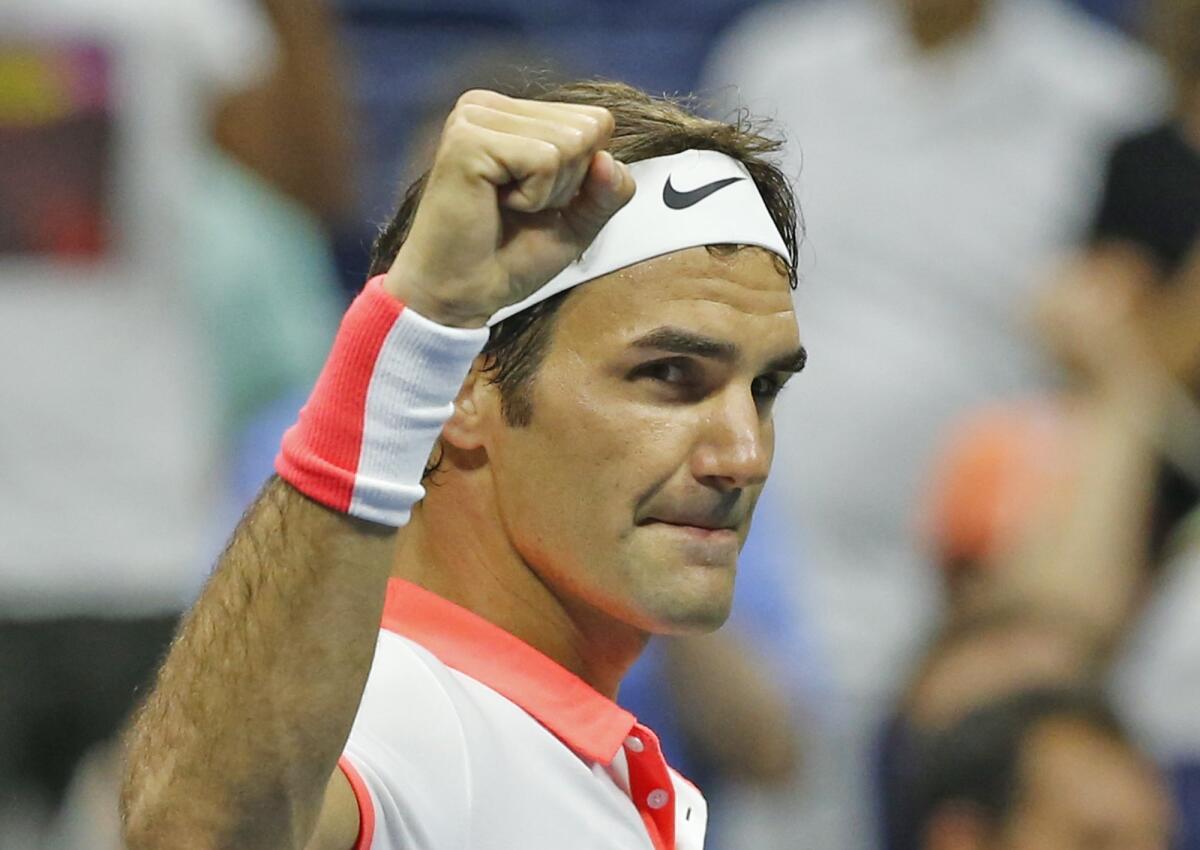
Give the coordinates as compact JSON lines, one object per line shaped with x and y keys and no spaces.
{"x":685,"y":200}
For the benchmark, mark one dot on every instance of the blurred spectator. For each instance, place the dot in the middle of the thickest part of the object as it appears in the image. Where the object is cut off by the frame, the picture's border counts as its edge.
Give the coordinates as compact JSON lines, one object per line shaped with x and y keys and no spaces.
{"x":983,"y":658}
{"x":1029,"y":496}
{"x":1039,"y":770}
{"x":278,"y":187}
{"x":1151,"y":197}
{"x":1048,"y":550}
{"x":1151,"y":207}
{"x":949,"y":147}
{"x":106,"y":430}
{"x":130,"y":251}
{"x":1085,"y":481}
{"x":293,"y":128}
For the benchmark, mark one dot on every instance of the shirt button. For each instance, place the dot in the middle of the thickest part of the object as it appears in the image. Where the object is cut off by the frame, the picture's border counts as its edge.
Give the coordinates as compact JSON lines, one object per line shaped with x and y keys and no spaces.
{"x":657,"y":798}
{"x":634,"y":744}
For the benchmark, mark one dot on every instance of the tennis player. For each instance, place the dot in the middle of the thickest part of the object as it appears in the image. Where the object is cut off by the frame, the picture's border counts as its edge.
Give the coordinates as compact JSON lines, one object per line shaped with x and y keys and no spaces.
{"x":572,"y":467}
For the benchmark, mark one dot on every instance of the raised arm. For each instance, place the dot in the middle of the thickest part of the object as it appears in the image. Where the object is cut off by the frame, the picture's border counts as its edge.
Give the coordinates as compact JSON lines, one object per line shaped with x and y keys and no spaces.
{"x":250,"y":712}
{"x":1087,"y":555}
{"x":239,"y":739}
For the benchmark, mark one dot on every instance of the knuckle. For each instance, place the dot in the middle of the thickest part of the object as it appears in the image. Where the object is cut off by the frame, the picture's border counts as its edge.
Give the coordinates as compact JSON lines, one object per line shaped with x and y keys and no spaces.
{"x":457,"y":129}
{"x":458,"y":117}
{"x":547,"y":157}
{"x":605,"y":123}
{"x":471,"y":112}
{"x":458,"y":139}
{"x":575,"y":139}
{"x":476,"y":97}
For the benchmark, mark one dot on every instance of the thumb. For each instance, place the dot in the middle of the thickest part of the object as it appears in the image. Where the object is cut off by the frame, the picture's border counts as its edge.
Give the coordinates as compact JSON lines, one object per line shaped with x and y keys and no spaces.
{"x":607,"y":187}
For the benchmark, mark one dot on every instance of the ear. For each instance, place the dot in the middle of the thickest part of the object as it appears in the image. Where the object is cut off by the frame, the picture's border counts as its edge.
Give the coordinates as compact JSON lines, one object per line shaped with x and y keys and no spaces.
{"x":467,"y":426}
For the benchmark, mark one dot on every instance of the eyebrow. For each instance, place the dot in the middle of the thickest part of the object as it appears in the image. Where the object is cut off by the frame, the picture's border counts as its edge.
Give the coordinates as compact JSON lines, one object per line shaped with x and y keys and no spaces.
{"x":680,"y":341}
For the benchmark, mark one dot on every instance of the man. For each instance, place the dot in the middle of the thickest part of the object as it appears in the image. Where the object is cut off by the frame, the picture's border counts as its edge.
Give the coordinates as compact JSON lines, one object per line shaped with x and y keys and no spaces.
{"x":1040,"y":769}
{"x":594,"y":477}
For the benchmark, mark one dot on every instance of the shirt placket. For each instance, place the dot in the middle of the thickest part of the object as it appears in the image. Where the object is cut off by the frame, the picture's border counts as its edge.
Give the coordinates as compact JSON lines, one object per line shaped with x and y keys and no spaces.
{"x":650,"y":786}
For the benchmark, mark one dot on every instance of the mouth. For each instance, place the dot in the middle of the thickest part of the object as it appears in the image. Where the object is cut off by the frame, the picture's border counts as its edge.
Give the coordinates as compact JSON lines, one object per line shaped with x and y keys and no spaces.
{"x":700,"y":529}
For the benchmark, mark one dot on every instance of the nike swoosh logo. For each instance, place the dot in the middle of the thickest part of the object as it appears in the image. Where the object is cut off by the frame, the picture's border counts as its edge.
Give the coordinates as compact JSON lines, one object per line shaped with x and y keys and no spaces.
{"x":677,"y":200}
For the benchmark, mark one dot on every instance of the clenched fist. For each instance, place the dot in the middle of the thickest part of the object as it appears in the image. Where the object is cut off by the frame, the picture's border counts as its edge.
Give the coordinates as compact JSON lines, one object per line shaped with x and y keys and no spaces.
{"x":517,"y":191}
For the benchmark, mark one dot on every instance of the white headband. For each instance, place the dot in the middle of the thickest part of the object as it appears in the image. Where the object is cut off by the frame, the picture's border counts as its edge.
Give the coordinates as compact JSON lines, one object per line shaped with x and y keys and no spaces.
{"x":682,"y":201}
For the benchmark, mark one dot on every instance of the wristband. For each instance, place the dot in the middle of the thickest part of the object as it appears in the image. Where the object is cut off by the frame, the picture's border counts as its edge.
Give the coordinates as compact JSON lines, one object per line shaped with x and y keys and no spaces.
{"x":362,"y":440}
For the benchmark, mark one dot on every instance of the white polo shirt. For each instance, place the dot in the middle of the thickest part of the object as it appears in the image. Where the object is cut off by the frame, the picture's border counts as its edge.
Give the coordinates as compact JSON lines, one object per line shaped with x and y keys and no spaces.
{"x":467,"y":737}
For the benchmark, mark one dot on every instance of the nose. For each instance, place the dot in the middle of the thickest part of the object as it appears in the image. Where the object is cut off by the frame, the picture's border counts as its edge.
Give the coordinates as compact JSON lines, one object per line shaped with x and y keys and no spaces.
{"x":736,"y":443}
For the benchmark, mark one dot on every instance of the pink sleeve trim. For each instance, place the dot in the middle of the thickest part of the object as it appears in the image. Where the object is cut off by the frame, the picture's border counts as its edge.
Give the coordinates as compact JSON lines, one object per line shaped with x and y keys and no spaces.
{"x":366,"y":809}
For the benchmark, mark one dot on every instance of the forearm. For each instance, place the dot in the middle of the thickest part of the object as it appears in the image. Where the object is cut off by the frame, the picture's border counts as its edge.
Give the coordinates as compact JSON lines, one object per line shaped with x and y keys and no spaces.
{"x":1086,"y":557}
{"x":303,"y":104}
{"x":254,"y":703}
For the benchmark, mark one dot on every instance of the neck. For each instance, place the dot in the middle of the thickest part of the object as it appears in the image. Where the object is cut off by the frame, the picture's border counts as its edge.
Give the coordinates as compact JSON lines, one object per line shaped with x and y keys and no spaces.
{"x":456,"y":546}
{"x":934,"y":25}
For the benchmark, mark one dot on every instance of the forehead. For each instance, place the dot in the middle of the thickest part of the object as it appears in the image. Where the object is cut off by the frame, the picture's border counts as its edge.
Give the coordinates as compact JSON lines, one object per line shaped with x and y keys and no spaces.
{"x":737,"y":294}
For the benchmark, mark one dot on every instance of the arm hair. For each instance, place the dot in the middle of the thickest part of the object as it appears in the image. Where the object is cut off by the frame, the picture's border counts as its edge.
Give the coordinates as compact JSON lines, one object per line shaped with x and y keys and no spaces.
{"x":237,"y":742}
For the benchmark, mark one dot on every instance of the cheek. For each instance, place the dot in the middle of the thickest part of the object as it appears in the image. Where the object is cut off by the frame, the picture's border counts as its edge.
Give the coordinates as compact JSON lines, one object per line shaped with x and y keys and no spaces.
{"x":634,"y":449}
{"x":602,"y":425}
{"x":597,"y":456}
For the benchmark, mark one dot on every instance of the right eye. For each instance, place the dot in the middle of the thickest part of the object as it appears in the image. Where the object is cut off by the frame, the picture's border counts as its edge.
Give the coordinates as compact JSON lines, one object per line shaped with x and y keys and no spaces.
{"x":667,"y":371}
{"x":678,"y":378}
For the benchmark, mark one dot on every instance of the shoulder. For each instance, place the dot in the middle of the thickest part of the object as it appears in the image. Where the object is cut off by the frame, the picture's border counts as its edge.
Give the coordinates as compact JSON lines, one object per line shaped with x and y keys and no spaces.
{"x":410,"y":702}
{"x":408,"y":750}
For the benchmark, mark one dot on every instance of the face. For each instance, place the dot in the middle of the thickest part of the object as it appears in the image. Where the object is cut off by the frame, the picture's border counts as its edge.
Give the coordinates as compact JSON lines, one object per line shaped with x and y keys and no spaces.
{"x":1082,"y":791}
{"x":631,"y":490}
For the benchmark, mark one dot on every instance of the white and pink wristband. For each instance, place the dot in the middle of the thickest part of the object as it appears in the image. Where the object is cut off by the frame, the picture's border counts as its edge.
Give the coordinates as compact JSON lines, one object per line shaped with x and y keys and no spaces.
{"x":364,"y":437}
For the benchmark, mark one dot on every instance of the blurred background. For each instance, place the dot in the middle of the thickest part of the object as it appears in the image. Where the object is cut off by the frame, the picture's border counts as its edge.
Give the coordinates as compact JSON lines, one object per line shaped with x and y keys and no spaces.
{"x":968,"y":615}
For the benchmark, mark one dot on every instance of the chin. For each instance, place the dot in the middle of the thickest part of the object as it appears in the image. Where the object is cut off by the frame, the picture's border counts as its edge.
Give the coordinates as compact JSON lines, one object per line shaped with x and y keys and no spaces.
{"x":666,"y":590}
{"x":692,"y":623}
{"x":694,"y":608}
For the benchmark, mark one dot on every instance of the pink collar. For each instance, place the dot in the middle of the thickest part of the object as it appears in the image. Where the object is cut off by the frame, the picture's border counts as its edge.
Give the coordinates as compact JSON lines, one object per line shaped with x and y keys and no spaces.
{"x":588,"y":722}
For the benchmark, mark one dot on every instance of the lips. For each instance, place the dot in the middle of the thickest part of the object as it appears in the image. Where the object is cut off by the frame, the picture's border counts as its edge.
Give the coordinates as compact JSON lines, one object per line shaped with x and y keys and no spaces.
{"x":704,"y":523}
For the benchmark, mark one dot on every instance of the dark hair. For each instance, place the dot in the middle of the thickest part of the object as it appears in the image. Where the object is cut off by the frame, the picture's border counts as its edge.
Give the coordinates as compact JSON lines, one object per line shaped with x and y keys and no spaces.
{"x":977,"y":761}
{"x":645,"y":127}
